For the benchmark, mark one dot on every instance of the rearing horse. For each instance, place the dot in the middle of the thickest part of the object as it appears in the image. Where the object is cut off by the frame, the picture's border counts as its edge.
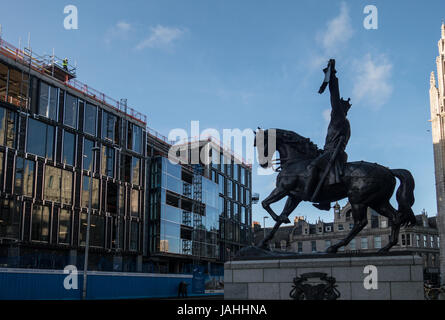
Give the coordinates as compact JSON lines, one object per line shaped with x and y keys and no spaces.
{"x":364,"y":184}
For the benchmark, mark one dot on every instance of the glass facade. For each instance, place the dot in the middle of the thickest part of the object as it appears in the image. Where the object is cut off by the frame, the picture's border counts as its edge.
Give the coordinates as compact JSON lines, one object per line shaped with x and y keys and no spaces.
{"x":186,"y":204}
{"x":142,"y":204}
{"x":71,"y":111}
{"x":90,"y":119}
{"x":48,"y":101}
{"x":40,"y":139}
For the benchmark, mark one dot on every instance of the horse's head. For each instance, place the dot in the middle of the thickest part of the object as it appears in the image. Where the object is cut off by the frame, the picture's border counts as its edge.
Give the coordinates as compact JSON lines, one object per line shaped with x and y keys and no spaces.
{"x":289,"y":144}
{"x":265,"y":141}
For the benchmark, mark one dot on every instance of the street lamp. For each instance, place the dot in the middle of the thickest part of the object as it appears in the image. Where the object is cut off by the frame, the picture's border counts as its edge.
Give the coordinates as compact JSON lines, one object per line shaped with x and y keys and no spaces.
{"x":264,"y":224}
{"x":87,"y":244}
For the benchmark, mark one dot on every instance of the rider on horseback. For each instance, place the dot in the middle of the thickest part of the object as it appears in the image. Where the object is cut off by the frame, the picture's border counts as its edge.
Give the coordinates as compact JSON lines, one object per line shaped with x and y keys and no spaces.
{"x":339,"y":132}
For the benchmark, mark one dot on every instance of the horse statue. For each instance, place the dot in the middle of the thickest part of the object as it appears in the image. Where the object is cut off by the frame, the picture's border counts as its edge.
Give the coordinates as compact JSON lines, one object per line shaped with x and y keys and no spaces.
{"x":364,"y":184}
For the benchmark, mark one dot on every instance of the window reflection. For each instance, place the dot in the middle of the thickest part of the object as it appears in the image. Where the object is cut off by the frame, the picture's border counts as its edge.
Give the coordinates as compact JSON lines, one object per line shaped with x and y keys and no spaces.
{"x":90,"y":119}
{"x":40,"y":223}
{"x":110,"y":127}
{"x":8,"y":127}
{"x":69,"y":141}
{"x":85,"y":192}
{"x":24,"y":177}
{"x":70,"y":114}
{"x":107,"y":161}
{"x":48,"y":101}
{"x":65,"y":226}
{"x":9,"y":219}
{"x":40,"y":139}
{"x":88,"y":154}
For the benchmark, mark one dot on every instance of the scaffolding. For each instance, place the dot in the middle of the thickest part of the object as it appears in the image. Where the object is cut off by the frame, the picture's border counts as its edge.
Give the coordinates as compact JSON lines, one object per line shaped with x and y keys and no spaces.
{"x":53,"y":66}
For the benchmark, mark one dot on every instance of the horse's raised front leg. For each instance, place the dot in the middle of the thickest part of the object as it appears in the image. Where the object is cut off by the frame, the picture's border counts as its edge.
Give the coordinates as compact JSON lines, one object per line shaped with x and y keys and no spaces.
{"x":276,"y":195}
{"x":360,"y":221}
{"x":291,"y":203}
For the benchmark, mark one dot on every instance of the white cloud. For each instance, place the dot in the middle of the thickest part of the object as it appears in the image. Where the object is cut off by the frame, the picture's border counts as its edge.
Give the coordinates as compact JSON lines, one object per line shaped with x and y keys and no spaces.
{"x":123,"y":26}
{"x":326,"y":115}
{"x":119,"y":31}
{"x":337,"y":32}
{"x":161,"y":37}
{"x":372,"y":80}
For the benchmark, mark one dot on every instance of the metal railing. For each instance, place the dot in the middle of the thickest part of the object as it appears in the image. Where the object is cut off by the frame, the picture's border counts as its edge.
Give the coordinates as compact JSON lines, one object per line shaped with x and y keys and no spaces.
{"x":44,"y":65}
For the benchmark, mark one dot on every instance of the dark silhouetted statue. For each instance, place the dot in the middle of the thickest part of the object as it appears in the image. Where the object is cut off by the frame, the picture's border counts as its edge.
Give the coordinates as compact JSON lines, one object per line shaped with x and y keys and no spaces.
{"x":307,"y":173}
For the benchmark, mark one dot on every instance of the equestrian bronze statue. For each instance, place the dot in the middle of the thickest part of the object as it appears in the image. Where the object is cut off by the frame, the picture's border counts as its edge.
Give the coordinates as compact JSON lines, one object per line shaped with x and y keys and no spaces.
{"x":307,"y":173}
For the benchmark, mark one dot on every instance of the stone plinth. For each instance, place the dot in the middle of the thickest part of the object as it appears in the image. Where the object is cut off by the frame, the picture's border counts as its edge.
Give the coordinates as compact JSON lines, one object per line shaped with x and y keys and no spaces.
{"x":399,"y":276}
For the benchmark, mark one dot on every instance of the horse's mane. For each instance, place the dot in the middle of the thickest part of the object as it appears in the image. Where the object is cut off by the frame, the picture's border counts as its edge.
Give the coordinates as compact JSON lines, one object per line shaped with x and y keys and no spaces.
{"x":302,"y":142}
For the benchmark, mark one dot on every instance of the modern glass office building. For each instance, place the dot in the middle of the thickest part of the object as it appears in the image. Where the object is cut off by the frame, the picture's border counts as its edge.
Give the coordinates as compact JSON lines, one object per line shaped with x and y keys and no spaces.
{"x":148,"y":214}
{"x":49,"y":124}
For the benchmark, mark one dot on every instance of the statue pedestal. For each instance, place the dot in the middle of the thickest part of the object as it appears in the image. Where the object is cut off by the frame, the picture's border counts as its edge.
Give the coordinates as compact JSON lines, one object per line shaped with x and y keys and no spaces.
{"x":399,"y":275}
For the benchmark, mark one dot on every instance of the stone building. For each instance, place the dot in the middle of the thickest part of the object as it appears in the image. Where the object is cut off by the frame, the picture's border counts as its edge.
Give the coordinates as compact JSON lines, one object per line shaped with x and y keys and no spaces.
{"x":437,"y":106}
{"x":304,"y":238}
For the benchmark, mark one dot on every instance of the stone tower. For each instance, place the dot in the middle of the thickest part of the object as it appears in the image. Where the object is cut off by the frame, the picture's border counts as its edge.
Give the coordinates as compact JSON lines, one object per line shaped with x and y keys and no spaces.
{"x":437,"y":105}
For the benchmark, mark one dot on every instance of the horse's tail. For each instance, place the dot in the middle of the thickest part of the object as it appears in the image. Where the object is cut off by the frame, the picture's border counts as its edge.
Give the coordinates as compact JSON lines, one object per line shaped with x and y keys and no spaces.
{"x":405,"y":195}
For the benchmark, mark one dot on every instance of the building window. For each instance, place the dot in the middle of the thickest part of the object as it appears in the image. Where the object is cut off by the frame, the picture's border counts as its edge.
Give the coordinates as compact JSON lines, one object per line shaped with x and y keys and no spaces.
{"x":229,"y":188}
{"x":134,"y":235}
{"x":235,"y":172}
{"x":300,"y":247}
{"x":48,"y":101}
{"x":221,"y":183}
{"x":283,"y":245}
{"x":352,"y":245}
{"x":438,"y":242}
{"x":110,"y":127}
{"x":351,"y":225}
{"x":134,"y":203}
{"x":243,"y":175}
{"x":340,"y":227}
{"x":24,"y":177}
{"x":134,"y":138}
{"x":327,"y":244}
{"x":70,"y":113}
{"x":65,"y":226}
{"x":364,"y":243}
{"x":374,"y":219}
{"x":88,"y":160}
{"x":229,"y":209}
{"x":135,"y":170}
{"x":384,"y":224}
{"x":314,"y":246}
{"x":417,"y":240}
{"x":90,"y":119}
{"x":107,"y":161}
{"x":432,"y":241}
{"x":69,"y":143}
{"x":328,"y":229}
{"x":40,"y":223}
{"x":9,"y":219}
{"x":58,"y":185}
{"x":97,"y":230}
{"x":377,"y":242}
{"x":8,"y":127}
{"x":221,"y":205}
{"x":408,"y":239}
{"x":86,"y":195}
{"x":425,"y":241}
{"x":403,"y":240}
{"x":40,"y":139}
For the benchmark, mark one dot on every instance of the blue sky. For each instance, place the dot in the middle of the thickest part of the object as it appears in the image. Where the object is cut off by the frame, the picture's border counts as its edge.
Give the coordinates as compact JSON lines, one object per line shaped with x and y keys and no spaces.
{"x":244,"y":64}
